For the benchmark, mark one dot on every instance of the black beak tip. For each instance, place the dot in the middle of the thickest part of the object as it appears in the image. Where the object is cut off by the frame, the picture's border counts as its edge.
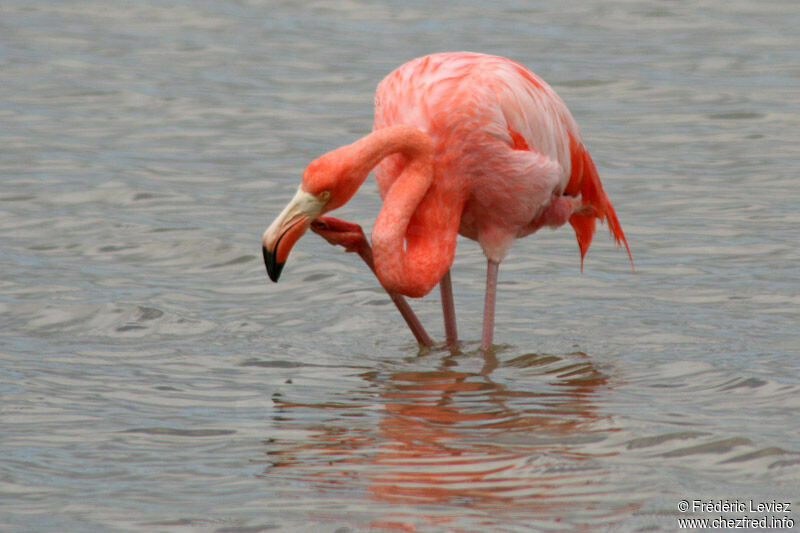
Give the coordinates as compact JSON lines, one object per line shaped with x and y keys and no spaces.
{"x":273,"y":267}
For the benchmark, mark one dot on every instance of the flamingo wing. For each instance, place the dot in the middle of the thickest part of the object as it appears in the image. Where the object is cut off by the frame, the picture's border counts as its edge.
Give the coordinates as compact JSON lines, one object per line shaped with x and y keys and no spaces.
{"x":504,"y":139}
{"x":538,"y":120}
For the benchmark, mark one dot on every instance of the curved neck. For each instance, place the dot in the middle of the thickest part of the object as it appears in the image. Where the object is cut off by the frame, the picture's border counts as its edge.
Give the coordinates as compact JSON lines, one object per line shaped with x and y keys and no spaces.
{"x":407,"y":140}
{"x":414,"y":235}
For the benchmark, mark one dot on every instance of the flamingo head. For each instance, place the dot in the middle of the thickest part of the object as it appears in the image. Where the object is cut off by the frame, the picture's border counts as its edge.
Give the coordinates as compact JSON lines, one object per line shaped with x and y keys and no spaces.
{"x":328,"y":182}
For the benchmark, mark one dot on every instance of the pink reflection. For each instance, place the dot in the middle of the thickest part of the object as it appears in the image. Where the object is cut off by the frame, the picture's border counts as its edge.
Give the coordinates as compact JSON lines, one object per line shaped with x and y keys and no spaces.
{"x":452,"y":437}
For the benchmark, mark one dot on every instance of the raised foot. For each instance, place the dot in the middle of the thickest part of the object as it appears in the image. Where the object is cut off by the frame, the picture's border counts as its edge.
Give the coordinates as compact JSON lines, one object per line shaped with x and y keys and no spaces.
{"x":340,"y":232}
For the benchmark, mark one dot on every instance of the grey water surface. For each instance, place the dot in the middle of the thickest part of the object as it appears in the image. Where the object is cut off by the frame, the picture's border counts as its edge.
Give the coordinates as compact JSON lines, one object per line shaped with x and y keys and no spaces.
{"x":153,"y":379}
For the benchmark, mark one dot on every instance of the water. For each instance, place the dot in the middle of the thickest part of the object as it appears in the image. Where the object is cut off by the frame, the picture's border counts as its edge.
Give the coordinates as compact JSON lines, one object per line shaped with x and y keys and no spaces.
{"x":152,"y":379}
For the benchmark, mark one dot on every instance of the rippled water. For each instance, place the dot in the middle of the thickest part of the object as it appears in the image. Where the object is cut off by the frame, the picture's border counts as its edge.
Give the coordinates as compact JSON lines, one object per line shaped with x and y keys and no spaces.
{"x":152,"y":379}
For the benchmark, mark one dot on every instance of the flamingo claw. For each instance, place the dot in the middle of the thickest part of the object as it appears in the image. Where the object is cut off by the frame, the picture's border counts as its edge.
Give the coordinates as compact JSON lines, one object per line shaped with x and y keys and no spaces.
{"x":340,"y":232}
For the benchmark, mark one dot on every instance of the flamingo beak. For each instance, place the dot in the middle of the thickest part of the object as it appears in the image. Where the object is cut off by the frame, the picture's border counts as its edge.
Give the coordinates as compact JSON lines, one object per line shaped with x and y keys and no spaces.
{"x":290,"y":225}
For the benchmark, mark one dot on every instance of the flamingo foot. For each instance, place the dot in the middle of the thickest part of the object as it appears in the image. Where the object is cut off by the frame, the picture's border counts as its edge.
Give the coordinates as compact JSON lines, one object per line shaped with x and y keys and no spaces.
{"x":340,"y":232}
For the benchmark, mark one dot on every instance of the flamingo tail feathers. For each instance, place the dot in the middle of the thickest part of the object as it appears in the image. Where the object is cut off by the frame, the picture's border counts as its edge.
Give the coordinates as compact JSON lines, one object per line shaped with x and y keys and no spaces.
{"x":585,"y":181}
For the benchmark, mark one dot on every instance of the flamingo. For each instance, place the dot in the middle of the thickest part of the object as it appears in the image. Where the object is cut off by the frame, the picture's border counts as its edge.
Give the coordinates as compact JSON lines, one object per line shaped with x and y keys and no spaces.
{"x":462,"y":143}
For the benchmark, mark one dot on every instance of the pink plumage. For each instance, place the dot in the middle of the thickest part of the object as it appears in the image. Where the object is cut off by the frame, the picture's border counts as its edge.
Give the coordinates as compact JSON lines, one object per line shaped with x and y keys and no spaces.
{"x":462,"y":143}
{"x":503,"y":142}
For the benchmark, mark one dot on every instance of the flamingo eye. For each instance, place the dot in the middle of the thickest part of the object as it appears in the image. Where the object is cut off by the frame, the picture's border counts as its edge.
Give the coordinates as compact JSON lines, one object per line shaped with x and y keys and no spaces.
{"x":324,"y":195}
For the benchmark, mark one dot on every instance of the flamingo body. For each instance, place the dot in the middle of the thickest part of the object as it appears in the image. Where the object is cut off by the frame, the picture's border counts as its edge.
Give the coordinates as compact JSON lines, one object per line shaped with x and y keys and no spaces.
{"x":506,"y":146}
{"x":462,"y":143}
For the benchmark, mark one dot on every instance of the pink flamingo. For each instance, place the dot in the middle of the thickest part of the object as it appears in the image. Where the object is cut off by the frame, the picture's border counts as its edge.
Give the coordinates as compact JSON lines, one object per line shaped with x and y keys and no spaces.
{"x":462,"y":143}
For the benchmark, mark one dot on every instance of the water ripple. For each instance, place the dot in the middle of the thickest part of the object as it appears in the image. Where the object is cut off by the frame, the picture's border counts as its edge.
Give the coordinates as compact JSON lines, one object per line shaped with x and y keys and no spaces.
{"x":152,"y":378}
{"x":451,"y":437}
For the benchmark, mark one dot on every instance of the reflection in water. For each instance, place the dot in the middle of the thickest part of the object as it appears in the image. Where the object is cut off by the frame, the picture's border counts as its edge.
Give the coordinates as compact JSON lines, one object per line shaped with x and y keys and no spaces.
{"x":516,"y":436}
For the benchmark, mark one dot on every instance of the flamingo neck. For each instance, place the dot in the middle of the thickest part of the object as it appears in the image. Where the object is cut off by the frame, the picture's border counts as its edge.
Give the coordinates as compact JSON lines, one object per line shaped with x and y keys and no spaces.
{"x":407,"y":140}
{"x":414,"y":235}
{"x":411,"y":250}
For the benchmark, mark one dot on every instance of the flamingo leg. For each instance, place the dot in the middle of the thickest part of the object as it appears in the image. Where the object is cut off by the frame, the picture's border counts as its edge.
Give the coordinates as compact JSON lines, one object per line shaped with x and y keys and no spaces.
{"x":351,"y":237}
{"x":488,"y":305}
{"x":411,"y":319}
{"x":365,"y":252}
{"x":448,"y":310}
